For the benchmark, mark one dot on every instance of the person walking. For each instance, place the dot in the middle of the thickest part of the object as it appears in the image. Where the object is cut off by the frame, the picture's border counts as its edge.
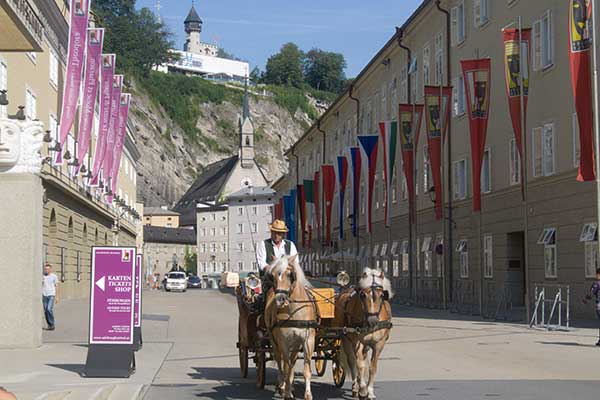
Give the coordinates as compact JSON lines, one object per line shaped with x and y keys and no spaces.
{"x":595,"y":291}
{"x":49,"y":294}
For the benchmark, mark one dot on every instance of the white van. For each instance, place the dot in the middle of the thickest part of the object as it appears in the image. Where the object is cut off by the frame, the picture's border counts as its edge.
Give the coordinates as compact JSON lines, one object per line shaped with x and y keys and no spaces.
{"x":176,"y":281}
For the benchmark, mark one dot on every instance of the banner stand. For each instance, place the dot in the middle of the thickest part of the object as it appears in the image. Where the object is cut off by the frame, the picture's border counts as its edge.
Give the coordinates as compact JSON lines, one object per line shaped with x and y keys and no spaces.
{"x":137,"y":338}
{"x":109,"y":361}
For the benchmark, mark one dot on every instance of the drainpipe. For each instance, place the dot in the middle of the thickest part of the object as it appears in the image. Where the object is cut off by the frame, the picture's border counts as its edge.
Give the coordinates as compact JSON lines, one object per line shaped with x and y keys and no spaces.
{"x":322,"y":192}
{"x":448,"y":246}
{"x":357,"y":212}
{"x":411,"y":254}
{"x":297,"y":183}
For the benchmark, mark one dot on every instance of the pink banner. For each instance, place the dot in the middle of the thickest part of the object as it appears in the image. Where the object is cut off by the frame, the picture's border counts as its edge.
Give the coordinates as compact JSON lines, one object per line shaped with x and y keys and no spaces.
{"x":112,"y":127}
{"x":120,"y":140}
{"x":77,"y":43}
{"x":90,"y":91}
{"x":108,"y":70}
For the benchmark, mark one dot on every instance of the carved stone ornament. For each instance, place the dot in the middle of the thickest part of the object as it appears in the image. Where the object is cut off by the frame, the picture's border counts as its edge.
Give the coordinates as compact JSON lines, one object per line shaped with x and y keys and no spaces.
{"x":20,"y":145}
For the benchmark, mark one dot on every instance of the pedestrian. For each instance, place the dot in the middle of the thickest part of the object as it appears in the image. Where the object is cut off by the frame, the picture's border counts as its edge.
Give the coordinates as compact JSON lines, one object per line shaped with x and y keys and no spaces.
{"x":595,"y":291}
{"x":6,"y":395}
{"x":49,"y":294}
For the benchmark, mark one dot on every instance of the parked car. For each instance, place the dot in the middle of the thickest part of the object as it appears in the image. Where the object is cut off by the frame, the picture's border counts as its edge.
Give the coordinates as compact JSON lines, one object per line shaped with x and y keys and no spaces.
{"x":194,"y":282}
{"x":176,"y":281}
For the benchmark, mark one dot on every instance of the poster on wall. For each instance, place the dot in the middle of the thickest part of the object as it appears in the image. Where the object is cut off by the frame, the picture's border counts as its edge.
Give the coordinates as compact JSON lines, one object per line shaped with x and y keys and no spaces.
{"x":112,"y":295}
{"x":137,"y":319}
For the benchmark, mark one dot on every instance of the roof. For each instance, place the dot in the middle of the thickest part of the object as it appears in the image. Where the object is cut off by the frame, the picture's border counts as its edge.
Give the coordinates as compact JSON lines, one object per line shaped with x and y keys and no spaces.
{"x":193,"y":16}
{"x":259,"y":191}
{"x":206,"y":187}
{"x":156,"y":234}
{"x":159,"y":211}
{"x":205,"y":207}
{"x":348,"y":92}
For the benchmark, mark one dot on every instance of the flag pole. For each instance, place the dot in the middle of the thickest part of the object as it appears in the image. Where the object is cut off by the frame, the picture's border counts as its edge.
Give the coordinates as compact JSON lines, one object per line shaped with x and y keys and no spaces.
{"x":442,"y":125}
{"x":524,"y":165}
{"x":596,"y":109}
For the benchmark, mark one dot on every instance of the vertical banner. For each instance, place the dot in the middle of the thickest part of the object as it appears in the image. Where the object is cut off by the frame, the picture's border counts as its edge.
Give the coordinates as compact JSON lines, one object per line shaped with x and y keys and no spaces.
{"x":309,"y":194}
{"x":112,"y":295}
{"x":342,"y":178}
{"x":513,"y":56}
{"x":90,"y":91}
{"x":328,"y":192}
{"x":137,"y":310}
{"x":389,"y":139}
{"x":75,"y":60}
{"x":289,"y":205}
{"x":119,"y":141}
{"x":410,"y":117}
{"x":106,"y":80}
{"x":579,"y":56}
{"x":356,"y":167}
{"x":112,"y":129}
{"x":302,"y":211}
{"x":476,"y":74}
{"x":368,"y":148}
{"x":437,"y":113}
{"x":316,"y":193}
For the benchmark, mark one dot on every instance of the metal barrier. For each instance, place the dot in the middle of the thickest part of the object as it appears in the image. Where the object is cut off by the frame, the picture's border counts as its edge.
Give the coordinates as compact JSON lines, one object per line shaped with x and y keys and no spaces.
{"x":462,"y":297}
{"x":557,"y":295}
{"x":429,"y":292}
{"x":498,"y":302}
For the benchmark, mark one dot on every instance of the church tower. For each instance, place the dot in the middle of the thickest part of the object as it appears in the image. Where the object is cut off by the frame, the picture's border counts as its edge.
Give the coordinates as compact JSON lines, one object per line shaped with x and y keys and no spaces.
{"x":246,"y":134}
{"x":193,"y":28}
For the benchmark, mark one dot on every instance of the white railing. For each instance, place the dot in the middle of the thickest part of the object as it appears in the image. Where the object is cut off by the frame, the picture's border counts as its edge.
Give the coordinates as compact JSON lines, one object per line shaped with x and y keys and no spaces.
{"x":557,"y":295}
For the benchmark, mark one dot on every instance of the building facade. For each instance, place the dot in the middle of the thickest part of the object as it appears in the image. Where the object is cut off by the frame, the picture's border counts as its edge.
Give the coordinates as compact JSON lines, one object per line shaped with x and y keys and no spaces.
{"x":159,"y":216}
{"x":250,"y":213}
{"x":476,"y":260}
{"x":166,"y":248}
{"x":76,"y":217}
{"x":213,"y":238}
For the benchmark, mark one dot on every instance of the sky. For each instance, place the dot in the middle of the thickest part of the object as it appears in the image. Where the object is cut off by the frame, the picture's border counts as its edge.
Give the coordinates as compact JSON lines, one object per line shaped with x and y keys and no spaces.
{"x":253,"y":30}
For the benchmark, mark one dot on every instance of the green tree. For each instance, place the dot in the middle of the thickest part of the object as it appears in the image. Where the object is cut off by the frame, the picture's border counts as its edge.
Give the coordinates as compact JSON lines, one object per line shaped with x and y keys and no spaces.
{"x":256,"y":75}
{"x":190,"y":262}
{"x":138,"y":39}
{"x":285,"y":67}
{"x":324,"y":70}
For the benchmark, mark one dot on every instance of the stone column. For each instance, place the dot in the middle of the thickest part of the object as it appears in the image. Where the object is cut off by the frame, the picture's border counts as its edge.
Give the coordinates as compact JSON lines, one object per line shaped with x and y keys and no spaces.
{"x":21,"y":225}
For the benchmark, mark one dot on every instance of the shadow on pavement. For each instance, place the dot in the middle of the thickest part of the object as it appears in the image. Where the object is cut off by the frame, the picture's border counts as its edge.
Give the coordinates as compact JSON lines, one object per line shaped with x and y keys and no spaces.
{"x":235,"y":387}
{"x":571,"y":344}
{"x":76,"y":368}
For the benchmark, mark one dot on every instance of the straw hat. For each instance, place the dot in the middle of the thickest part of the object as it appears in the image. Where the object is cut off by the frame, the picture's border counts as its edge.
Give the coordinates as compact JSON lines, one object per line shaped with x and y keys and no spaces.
{"x":278,"y":226}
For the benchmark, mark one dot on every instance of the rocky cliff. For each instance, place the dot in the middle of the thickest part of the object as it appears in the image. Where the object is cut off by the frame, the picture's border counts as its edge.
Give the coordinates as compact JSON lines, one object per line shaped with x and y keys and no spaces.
{"x":173,"y":155}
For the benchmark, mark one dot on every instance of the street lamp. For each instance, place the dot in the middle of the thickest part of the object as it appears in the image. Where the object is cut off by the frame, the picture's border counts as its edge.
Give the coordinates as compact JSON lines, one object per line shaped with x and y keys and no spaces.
{"x":431,"y":193}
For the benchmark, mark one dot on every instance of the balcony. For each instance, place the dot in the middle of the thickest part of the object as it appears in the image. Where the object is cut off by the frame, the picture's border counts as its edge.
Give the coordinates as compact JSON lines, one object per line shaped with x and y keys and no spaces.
{"x":21,"y":28}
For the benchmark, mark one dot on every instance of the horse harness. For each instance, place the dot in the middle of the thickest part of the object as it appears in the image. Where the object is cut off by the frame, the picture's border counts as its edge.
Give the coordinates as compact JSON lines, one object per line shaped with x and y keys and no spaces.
{"x":366,"y":327}
{"x":293,"y":323}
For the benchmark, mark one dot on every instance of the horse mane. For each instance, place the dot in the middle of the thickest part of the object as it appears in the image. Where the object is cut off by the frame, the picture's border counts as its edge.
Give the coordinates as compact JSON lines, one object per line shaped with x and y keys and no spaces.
{"x":376,"y":274}
{"x":281,"y":265}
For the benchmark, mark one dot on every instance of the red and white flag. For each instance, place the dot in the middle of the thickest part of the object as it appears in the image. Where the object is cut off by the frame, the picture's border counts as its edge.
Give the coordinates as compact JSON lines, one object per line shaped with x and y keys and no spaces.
{"x":368,"y":149}
{"x":410,"y":116}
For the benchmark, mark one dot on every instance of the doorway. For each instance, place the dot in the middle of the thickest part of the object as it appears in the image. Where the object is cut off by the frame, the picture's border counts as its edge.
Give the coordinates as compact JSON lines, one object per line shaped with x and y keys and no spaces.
{"x":515,"y":271}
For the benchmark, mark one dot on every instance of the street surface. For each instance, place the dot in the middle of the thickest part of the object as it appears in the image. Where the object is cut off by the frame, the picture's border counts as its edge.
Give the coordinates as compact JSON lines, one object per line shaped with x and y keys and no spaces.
{"x":429,"y":356}
{"x":189,"y":353}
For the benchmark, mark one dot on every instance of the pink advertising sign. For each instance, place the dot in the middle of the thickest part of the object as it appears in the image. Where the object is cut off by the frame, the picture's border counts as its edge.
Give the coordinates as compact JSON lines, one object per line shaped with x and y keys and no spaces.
{"x":137,"y":320}
{"x":112,"y":295}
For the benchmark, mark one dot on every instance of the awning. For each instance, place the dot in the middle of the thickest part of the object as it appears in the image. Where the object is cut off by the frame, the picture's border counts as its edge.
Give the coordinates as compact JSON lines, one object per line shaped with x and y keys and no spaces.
{"x":376,"y":250}
{"x":394,"y":249}
{"x":384,"y":248}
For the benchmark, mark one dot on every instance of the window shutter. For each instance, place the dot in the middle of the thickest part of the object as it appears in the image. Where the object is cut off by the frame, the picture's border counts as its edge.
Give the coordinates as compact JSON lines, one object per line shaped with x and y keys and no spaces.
{"x":550,"y":56}
{"x":455,"y":83}
{"x":455,"y":183}
{"x":477,"y":4}
{"x":537,"y":151}
{"x":537,"y":45}
{"x":454,"y":17}
{"x":548,"y":151}
{"x":576,"y":144}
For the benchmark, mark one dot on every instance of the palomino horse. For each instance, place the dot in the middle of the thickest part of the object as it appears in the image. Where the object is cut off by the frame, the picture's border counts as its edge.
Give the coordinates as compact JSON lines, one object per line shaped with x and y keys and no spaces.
{"x":291,"y":317}
{"x":365,"y":309}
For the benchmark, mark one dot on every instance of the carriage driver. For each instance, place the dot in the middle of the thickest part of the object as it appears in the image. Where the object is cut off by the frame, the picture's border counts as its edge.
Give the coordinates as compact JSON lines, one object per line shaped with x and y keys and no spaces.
{"x":270,"y":250}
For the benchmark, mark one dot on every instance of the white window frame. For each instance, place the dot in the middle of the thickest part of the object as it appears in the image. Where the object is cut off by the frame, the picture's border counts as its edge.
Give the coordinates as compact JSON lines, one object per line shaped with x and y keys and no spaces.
{"x":459,"y":99}
{"x":589,"y":232}
{"x":458,"y":192}
{"x":548,"y":238}
{"x":426,"y":66}
{"x":240,"y":228}
{"x":427,"y":171}
{"x":486,"y":184}
{"x":543,"y":42}
{"x":458,"y":19}
{"x":543,"y":157}
{"x":30,"y":104}
{"x":241,"y":247}
{"x":488,"y":257}
{"x":463,"y":253}
{"x":240,"y":265}
{"x":439,"y":58}
{"x":439,"y":258}
{"x":514,"y":160}
{"x":254,"y":227}
{"x":405,"y":257}
{"x":481,"y":13}
{"x":224,"y":247}
{"x":53,"y":70}
{"x":3,"y":84}
{"x":591,"y":258}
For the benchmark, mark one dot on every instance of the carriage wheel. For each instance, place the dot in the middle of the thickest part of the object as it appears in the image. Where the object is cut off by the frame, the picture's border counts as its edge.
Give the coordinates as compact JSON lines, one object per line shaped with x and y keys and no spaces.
{"x":339,"y":375}
{"x":261,"y":369}
{"x":243,"y":353}
{"x":321,"y":363}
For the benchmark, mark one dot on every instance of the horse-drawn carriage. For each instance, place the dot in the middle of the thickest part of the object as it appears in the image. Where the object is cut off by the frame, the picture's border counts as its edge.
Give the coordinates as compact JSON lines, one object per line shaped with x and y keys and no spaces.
{"x":332,"y":334}
{"x":254,"y":341}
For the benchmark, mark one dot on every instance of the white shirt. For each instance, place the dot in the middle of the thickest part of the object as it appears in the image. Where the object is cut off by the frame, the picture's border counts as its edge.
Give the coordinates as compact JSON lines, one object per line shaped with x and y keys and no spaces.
{"x":261,"y":252}
{"x":49,"y":284}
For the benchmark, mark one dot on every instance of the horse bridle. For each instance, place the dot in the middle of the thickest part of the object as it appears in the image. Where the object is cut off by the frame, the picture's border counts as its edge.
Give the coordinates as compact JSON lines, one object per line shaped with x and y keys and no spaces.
{"x":374,"y":287}
{"x":287,"y":292}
